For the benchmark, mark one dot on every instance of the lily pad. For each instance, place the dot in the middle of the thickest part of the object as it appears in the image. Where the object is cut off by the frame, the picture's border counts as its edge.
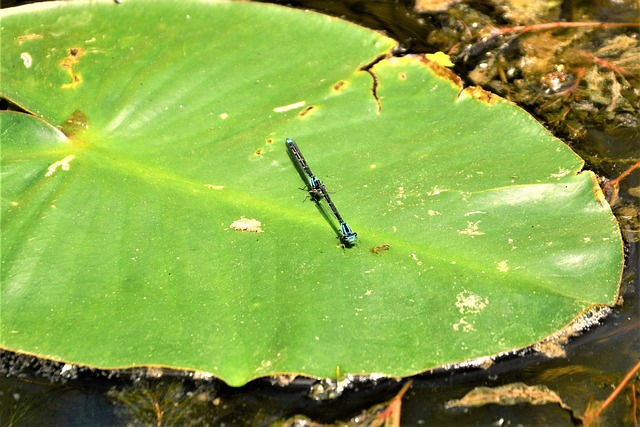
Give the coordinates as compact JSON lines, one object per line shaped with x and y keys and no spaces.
{"x":151,"y":215}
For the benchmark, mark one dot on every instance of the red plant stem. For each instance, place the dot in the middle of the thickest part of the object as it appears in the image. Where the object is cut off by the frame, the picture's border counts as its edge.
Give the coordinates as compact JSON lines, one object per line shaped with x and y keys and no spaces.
{"x":617,"y":391}
{"x":394,"y":406}
{"x":553,"y":25}
{"x":603,"y":62}
{"x":622,"y":176}
{"x":159,"y":413}
{"x":635,"y":405}
{"x":574,"y":86}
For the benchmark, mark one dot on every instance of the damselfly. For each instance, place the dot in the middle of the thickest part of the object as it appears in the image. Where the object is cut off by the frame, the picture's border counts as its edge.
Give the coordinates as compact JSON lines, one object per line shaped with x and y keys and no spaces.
{"x":318,"y":191}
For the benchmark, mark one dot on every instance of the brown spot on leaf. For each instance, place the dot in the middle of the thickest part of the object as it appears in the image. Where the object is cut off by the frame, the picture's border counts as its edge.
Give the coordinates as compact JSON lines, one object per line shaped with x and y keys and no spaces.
{"x":306,"y":111}
{"x":28,"y":37}
{"x":597,"y":191}
{"x":76,"y":123}
{"x":380,"y":248}
{"x":441,"y":71}
{"x":72,"y":58}
{"x":338,"y":86}
{"x":402,"y":76}
{"x":476,"y":92}
{"x":214,"y":187}
{"x":259,"y":152}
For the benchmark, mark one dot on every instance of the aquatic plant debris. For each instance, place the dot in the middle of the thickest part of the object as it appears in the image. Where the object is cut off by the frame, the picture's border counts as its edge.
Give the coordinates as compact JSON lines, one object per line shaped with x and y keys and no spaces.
{"x":507,"y":395}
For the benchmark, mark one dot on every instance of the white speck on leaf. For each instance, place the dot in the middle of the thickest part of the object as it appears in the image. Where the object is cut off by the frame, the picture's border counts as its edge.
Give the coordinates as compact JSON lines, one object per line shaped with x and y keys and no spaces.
{"x":469,"y":303}
{"x":435,"y":191}
{"x":464,"y":325}
{"x":561,"y":173}
{"x":415,"y":258}
{"x":63,"y":164}
{"x":26,"y":59}
{"x":247,"y":224}
{"x":472,"y":229}
{"x":503,"y":267}
{"x":289,"y":107}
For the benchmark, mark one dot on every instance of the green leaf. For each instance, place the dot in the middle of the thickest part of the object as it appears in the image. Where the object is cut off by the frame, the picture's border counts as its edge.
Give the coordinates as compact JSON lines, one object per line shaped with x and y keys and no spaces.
{"x":121,"y":245}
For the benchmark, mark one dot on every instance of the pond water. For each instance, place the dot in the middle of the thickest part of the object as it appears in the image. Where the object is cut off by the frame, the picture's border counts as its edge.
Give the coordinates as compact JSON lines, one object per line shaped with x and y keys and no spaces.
{"x":37,"y":393}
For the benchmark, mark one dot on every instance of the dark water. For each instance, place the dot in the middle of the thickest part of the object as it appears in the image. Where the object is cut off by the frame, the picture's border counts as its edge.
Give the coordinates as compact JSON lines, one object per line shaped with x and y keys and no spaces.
{"x":37,"y":393}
